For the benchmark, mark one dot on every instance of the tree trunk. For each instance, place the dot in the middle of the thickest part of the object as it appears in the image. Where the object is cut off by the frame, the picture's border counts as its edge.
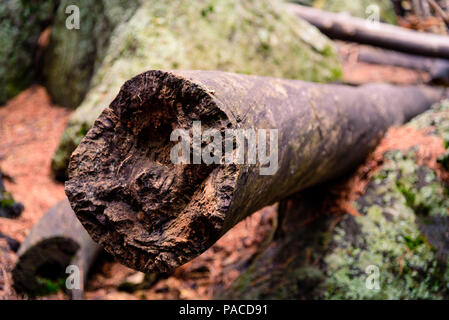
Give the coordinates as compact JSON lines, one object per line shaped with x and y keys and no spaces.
{"x":154,"y":215}
{"x":55,"y":242}
{"x":344,"y":27}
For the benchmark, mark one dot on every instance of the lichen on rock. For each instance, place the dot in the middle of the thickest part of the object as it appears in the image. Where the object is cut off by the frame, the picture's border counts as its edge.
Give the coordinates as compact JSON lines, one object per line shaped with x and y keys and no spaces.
{"x":401,"y":231}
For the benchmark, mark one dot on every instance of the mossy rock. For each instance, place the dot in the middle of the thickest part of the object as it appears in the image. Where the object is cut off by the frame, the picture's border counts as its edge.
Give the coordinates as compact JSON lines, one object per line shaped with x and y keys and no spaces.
{"x":251,"y":37}
{"x":360,"y":8}
{"x":74,"y":54}
{"x":21,"y":23}
{"x":401,"y":233}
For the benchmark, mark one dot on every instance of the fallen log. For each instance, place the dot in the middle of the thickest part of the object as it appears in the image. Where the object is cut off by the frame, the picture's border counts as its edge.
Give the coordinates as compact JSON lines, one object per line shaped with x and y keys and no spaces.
{"x":345,"y":27}
{"x":154,"y":215}
{"x":438,"y":69}
{"x":55,"y":242}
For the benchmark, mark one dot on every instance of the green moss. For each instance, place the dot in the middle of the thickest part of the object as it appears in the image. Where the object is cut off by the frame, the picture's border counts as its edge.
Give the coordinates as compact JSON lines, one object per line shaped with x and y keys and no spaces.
{"x":6,"y":200}
{"x":48,"y":286}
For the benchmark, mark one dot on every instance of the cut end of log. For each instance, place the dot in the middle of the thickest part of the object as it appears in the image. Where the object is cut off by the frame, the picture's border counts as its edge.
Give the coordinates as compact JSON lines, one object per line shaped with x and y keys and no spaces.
{"x":124,"y":188}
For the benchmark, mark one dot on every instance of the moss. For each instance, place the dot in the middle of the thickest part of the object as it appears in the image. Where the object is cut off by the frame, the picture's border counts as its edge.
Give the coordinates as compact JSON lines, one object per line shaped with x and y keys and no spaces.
{"x":6,"y":200}
{"x":48,"y":286}
{"x":250,"y":37}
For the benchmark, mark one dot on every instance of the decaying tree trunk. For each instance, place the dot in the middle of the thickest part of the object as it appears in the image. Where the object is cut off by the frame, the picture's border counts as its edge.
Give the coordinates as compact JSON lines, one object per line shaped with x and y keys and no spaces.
{"x":154,"y":215}
{"x":438,"y":69}
{"x":55,"y":242}
{"x":344,"y":27}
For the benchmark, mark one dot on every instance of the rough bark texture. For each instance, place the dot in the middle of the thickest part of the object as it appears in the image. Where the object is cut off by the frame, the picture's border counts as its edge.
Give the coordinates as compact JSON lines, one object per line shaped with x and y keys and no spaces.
{"x":192,"y":35}
{"x":56,"y":241}
{"x":438,"y":69}
{"x":402,"y":228}
{"x":349,"y":28}
{"x":154,"y":215}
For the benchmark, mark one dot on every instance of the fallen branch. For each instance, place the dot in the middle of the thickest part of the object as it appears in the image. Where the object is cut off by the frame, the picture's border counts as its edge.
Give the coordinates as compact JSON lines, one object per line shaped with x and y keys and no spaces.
{"x":55,"y":242}
{"x":154,"y":215}
{"x":345,"y":27}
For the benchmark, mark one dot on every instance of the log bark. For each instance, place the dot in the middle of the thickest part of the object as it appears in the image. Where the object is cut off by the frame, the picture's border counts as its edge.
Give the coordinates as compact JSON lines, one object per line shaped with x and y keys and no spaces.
{"x":438,"y":69}
{"x":154,"y":215}
{"x":56,"y":241}
{"x":344,"y":27}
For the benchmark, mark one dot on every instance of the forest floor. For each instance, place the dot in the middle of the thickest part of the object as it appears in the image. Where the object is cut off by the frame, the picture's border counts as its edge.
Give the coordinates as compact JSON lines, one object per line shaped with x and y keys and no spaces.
{"x":30,"y":129}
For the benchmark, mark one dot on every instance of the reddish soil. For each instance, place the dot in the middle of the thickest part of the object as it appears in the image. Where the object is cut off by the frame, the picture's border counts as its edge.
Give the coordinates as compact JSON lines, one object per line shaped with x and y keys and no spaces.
{"x":30,"y":129}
